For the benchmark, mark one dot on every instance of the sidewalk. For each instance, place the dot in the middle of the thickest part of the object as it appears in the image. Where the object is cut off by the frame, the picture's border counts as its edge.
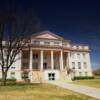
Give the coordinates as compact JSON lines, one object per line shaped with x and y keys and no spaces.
{"x":89,"y":91}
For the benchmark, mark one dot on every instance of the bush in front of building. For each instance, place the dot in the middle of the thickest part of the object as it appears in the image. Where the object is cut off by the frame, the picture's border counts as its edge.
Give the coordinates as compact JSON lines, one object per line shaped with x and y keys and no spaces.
{"x":10,"y":81}
{"x":83,"y":77}
{"x":96,"y":72}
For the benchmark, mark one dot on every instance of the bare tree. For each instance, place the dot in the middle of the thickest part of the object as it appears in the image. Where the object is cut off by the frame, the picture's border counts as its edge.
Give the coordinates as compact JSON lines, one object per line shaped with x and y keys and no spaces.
{"x":15,"y":27}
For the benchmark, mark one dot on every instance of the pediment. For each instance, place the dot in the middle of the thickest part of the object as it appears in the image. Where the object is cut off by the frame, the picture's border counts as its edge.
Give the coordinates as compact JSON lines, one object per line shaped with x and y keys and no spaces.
{"x":47,"y":35}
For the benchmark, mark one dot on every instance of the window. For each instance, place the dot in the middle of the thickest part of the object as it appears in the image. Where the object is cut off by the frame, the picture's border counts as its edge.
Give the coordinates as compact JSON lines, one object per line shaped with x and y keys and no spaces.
{"x":25,"y":65}
{"x":51,"y":76}
{"x":25,"y":55}
{"x":12,"y":74}
{"x":86,"y":73}
{"x":78,"y":55}
{"x":45,"y":57}
{"x":73,"y":65}
{"x":12,"y":67}
{"x":35,"y":66}
{"x":35,"y":56}
{"x":74,"y":73}
{"x":46,"y":43}
{"x":36,"y":42}
{"x":72,"y":55}
{"x":45,"y":66}
{"x":79,"y":65}
{"x":25,"y":75}
{"x":85,"y":65}
{"x":80,"y":73}
{"x":84,"y":55}
{"x":56,"y":43}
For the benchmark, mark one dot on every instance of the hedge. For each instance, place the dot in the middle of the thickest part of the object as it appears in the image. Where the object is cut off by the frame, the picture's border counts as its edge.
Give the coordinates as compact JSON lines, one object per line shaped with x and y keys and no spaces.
{"x":10,"y":81}
{"x":82,"y":77}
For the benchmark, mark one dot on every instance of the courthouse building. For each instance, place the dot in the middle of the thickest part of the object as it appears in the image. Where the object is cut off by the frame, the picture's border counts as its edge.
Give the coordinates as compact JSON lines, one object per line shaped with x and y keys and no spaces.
{"x":51,"y":58}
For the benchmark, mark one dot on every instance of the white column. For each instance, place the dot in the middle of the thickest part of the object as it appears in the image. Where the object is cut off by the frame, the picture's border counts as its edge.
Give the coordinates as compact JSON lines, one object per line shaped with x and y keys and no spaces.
{"x":19,"y":64}
{"x":52,"y":60}
{"x":68,"y":60}
{"x":69,"y":66}
{"x":41,"y":59}
{"x":30,"y":64}
{"x":61,"y":60}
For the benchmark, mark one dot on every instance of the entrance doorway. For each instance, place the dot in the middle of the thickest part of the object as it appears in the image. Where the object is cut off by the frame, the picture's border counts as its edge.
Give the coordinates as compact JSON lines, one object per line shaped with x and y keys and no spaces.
{"x":51,"y":76}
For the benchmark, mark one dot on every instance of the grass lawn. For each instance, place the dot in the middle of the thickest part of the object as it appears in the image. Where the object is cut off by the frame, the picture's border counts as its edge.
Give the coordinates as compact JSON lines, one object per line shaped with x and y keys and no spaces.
{"x":39,"y":92}
{"x":91,"y":82}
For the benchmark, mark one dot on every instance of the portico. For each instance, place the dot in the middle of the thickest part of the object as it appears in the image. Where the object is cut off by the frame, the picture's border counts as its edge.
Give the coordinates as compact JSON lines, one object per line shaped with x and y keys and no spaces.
{"x":47,"y":59}
{"x":50,"y":60}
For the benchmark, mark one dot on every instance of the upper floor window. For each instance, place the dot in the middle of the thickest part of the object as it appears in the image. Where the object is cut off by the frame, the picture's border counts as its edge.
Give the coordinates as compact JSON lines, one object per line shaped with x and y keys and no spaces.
{"x":79,"y":65}
{"x":78,"y":55}
{"x":25,"y":65}
{"x":72,"y":55}
{"x":45,"y":57}
{"x":35,"y":56}
{"x":46,"y":43}
{"x":25,"y":55}
{"x":36,"y":42}
{"x":56,"y":43}
{"x":84,"y":55}
{"x":77,"y":47}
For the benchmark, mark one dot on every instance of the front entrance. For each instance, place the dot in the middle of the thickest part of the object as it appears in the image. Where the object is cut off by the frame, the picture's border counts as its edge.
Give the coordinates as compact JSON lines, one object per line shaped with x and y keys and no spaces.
{"x":51,"y":76}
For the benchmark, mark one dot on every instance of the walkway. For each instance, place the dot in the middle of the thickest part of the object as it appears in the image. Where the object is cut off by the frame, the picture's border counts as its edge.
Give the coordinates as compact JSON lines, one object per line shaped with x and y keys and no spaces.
{"x":90,"y":91}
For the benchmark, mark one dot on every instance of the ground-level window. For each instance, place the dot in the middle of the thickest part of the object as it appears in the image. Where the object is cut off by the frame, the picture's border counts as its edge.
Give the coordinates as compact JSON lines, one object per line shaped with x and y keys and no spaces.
{"x":79,"y":65}
{"x":25,"y":74}
{"x":73,"y":65}
{"x":12,"y":67}
{"x":86,"y":74}
{"x":85,"y":65}
{"x":74,"y":73}
{"x":12,"y":74}
{"x":51,"y":76}
{"x":80,"y":73}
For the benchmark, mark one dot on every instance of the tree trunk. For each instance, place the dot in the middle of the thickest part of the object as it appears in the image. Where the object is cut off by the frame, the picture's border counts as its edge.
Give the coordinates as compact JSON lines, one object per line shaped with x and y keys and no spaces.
{"x":4,"y":78}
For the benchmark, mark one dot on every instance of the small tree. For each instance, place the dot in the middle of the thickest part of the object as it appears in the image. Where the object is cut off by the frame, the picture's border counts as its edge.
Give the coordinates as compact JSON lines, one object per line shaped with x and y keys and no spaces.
{"x":96,"y":72}
{"x":15,"y":27}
